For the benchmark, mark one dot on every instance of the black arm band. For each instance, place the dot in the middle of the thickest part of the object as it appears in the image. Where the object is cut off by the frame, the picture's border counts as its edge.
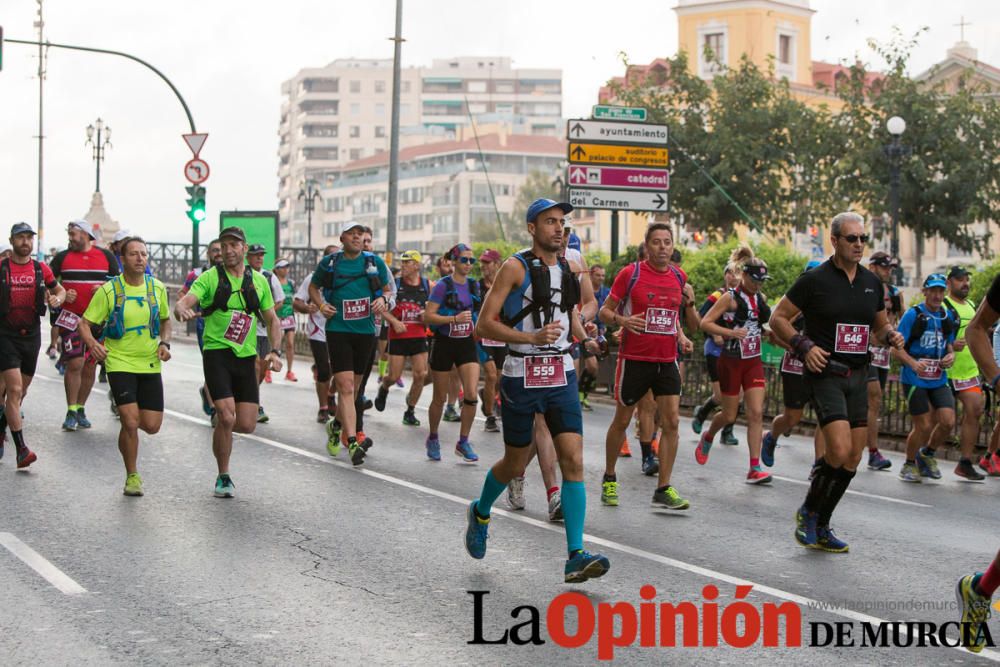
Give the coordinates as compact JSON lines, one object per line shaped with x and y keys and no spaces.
{"x":801,"y":345}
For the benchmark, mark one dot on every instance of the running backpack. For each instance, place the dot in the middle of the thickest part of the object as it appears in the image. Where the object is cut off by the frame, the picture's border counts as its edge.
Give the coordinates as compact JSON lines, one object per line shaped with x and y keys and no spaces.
{"x":949,"y":325}
{"x":425,"y":285}
{"x":634,"y":278}
{"x":451,"y":301}
{"x":541,"y":289}
{"x":224,"y":290}
{"x":5,"y":288}
{"x":115,"y":328}
{"x":329,"y":279}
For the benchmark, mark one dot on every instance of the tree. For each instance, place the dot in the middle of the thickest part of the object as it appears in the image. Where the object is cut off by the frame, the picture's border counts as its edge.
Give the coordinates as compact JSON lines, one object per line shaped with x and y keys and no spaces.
{"x":538,"y":184}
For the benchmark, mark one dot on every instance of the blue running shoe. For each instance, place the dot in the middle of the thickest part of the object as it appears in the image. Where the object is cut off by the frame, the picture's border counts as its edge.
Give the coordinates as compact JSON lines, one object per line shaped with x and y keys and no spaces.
{"x":927,"y":464}
{"x":83,"y":422}
{"x":805,"y":528}
{"x":767,"y":449}
{"x":433,"y":446}
{"x":696,"y":424}
{"x":650,"y":466}
{"x":69,"y":424}
{"x":476,"y":533}
{"x":585,"y":565}
{"x":206,"y":407}
{"x":464,"y":449}
{"x":827,"y":541}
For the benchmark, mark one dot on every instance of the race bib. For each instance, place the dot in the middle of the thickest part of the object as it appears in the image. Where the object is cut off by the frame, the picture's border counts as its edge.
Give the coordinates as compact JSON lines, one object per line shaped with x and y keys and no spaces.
{"x":661,"y":321}
{"x":880,"y":357}
{"x":750,"y":347}
{"x":356,"y":309}
{"x":460,"y":330}
{"x":377,"y":319}
{"x":239,"y":327}
{"x":791,"y":365}
{"x":543,"y":372}
{"x":288,"y":322}
{"x":932,"y":369}
{"x":67,"y":320}
{"x":962,"y":385}
{"x":851,"y":339}
{"x":412,"y":316}
{"x":489,"y":342}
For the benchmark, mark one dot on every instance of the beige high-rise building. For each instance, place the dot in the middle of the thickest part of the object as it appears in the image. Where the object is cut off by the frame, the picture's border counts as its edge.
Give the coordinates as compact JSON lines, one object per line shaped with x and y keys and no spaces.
{"x":341,"y":113}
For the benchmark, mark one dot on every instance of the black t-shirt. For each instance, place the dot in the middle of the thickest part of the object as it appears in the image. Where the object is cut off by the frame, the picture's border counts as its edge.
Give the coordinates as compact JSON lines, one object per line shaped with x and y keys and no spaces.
{"x":993,"y":296}
{"x":839,"y":314}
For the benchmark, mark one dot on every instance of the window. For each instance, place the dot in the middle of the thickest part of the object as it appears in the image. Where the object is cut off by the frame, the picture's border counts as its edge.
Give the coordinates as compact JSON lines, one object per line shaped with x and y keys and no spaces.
{"x":380,"y":110}
{"x":785,"y":53}
{"x":330,"y":228}
{"x":380,"y":86}
{"x":355,"y":154}
{"x":355,"y":109}
{"x":477,"y":107}
{"x":333,"y":204}
{"x":355,"y":131}
{"x":713,"y":46}
{"x":319,"y":130}
{"x":445,"y":194}
{"x":355,"y":86}
{"x":325,"y":153}
{"x":481,"y":194}
{"x":405,"y":110}
{"x":411,"y":195}
{"x":404,"y":86}
{"x":785,"y":49}
{"x":320,"y":85}
{"x":445,"y":223}
{"x":477,"y":86}
{"x":412,"y":222}
{"x":713,"y":50}
{"x":379,"y":131}
{"x":503,"y":86}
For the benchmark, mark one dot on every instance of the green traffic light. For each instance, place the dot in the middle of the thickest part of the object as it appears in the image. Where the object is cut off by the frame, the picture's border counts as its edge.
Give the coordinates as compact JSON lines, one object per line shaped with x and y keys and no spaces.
{"x":196,"y":203}
{"x":198,"y":213}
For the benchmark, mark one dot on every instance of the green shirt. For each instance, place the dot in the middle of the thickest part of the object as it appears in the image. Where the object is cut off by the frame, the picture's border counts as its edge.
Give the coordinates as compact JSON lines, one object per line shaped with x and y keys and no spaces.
{"x":286,"y":306}
{"x":222,"y":328}
{"x":351,"y":294}
{"x":964,"y":367}
{"x":135,"y":352}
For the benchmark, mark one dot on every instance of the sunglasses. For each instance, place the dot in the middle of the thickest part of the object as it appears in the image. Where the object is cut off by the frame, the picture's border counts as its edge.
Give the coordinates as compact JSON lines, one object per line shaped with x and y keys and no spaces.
{"x":854,"y":238}
{"x":467,"y":260}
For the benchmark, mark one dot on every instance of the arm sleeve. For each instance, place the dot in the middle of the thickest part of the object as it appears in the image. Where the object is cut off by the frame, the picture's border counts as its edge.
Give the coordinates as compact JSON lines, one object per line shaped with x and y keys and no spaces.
{"x":799,"y":293}
{"x":993,"y":296}
{"x":620,"y":284}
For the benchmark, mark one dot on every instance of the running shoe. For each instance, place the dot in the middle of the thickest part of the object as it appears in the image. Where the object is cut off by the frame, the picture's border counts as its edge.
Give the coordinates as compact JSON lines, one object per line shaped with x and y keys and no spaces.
{"x":805,"y":527}
{"x":365,"y":442}
{"x":476,"y":533}
{"x":357,"y":453}
{"x":464,"y":450}
{"x":333,"y":437}
{"x":491,"y":425}
{"x":133,"y":484}
{"x":515,"y":493}
{"x":450,"y":414}
{"x":224,"y":487}
{"x":702,"y":449}
{"x":267,"y":376}
{"x":927,"y":464}
{"x":51,"y":352}
{"x":25,"y":457}
{"x":609,"y":493}
{"x":262,"y":417}
{"x":975,"y":612}
{"x":909,"y":473}
{"x":878,"y":462}
{"x":758,"y":476}
{"x":995,"y":459}
{"x":290,"y":377}
{"x":555,"y":506}
{"x":102,"y":375}
{"x":728,"y":438}
{"x":767,"y":449}
{"x":655,"y":445}
{"x":625,"y":452}
{"x":669,"y":499}
{"x":584,"y":565}
{"x":322,"y":416}
{"x":827,"y":541}
{"x":697,"y":424}
{"x":650,"y":466}
{"x":380,"y":398}
{"x":399,"y":382}
{"x":60,"y":367}
{"x":214,"y":420}
{"x":968,"y":471}
{"x":433,"y":447}
{"x":206,"y":407}
{"x":114,"y":406}
{"x":585,"y":403}
{"x":366,"y":403}
{"x":410,"y":419}
{"x":81,"y":419}
{"x":986,"y":463}
{"x":69,"y":424}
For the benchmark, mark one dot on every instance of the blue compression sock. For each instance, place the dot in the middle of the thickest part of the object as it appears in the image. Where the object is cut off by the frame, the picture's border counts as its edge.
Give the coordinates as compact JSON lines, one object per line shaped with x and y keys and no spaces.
{"x":574,"y":507}
{"x":492,"y":488}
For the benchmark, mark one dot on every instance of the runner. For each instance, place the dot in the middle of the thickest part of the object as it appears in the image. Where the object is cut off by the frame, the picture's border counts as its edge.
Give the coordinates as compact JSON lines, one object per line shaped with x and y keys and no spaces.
{"x":974,"y":593}
{"x":990,"y":461}
{"x":134,"y":313}
{"x":214,"y":254}
{"x":878,"y":370}
{"x":446,"y":267}
{"x":316,"y":331}
{"x":743,"y":313}
{"x":81,"y":269}
{"x":844,"y":312}
{"x":647,"y":300}
{"x":491,"y":352}
{"x":536,"y":294}
{"x":451,"y":311}
{"x":712,"y":349}
{"x":233,"y":299}
{"x":255,"y":260}
{"x":929,"y":331}
{"x":347,"y":286}
{"x":26,"y":287}
{"x":286,"y":314}
{"x":597,"y":330}
{"x":964,"y":375}
{"x":406,"y":335}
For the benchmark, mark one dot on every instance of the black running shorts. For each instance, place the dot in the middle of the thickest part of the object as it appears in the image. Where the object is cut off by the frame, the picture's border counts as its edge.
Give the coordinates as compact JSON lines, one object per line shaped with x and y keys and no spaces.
{"x":453,"y":352}
{"x":229,"y":376}
{"x":349,"y":351}
{"x":146,"y":389}
{"x":321,"y":357}
{"x":20,"y":351}
{"x":634,"y":379}
{"x":839,"y":398}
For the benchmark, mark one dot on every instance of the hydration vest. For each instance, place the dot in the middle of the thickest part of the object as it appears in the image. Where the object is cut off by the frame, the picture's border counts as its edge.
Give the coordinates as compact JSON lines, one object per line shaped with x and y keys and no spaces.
{"x":634,"y":278}
{"x":5,"y":288}
{"x":742,"y":314}
{"x":949,"y":324}
{"x":224,"y":290}
{"x":451,"y":301}
{"x":417,"y":294}
{"x":329,"y":280}
{"x":541,"y":306}
{"x":115,"y":327}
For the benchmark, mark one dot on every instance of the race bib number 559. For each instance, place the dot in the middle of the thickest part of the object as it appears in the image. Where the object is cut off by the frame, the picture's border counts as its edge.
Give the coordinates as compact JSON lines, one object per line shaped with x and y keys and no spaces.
{"x":541,"y":372}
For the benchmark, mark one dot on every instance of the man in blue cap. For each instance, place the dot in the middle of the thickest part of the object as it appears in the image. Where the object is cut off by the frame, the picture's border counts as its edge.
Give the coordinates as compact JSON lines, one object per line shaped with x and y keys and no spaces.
{"x":531,"y":307}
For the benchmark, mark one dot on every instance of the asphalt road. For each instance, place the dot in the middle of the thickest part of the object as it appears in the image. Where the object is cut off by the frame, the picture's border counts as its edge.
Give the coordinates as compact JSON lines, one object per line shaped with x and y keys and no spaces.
{"x":315,"y":562}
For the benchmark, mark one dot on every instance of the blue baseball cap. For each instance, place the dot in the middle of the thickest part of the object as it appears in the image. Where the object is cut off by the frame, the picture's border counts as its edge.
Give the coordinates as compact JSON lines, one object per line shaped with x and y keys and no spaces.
{"x":935,"y":280}
{"x":544,"y":204}
{"x":813,"y":263}
{"x":574,"y":242}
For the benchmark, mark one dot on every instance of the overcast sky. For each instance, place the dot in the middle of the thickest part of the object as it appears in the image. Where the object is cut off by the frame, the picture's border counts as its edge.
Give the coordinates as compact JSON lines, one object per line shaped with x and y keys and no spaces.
{"x":229,"y":58}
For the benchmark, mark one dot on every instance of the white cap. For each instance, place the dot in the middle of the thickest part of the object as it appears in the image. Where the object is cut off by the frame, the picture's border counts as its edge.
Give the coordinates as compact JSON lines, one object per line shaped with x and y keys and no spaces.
{"x":121,"y":235}
{"x":5,"y":247}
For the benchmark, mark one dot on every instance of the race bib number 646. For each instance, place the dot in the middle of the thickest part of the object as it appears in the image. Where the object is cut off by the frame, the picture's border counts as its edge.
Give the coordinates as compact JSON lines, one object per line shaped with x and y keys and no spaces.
{"x":851,"y":339}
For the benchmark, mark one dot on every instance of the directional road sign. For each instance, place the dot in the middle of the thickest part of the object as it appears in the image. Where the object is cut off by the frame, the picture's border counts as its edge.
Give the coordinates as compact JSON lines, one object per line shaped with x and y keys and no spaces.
{"x":619,"y":133}
{"x":196,"y":171}
{"x":607,"y":112}
{"x":623,"y":156}
{"x":618,"y":177}
{"x":618,"y":200}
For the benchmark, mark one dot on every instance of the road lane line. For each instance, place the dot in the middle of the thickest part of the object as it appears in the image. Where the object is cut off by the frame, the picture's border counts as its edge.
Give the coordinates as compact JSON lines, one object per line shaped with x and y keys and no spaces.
{"x":857,"y":493}
{"x":39,"y":564}
{"x":807,"y":603}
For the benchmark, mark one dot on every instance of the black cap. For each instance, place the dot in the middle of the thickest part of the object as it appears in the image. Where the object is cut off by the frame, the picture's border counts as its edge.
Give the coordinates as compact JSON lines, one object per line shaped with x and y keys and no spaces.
{"x":234,"y":232}
{"x":882,"y":258}
{"x":955,"y":272}
{"x":21,"y":228}
{"x":256,"y":249}
{"x":757,"y":272}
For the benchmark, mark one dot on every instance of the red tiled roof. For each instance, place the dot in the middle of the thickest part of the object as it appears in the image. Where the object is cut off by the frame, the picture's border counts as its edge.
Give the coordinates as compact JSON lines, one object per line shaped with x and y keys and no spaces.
{"x":490,"y":143}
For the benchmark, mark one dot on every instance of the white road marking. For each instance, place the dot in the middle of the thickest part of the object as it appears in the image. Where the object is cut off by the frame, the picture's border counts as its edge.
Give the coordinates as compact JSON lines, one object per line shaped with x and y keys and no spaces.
{"x":39,"y":564}
{"x":806,"y":603}
{"x":857,"y":493}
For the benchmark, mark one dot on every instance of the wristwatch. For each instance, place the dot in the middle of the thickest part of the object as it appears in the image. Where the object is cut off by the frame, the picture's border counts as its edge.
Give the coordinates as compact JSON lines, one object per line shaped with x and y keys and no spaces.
{"x":165,"y":344}
{"x":276,"y":352}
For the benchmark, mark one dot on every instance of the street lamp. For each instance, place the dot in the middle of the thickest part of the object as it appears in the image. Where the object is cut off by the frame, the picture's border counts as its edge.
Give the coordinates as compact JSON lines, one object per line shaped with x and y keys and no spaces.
{"x":100,"y":145}
{"x":309,"y":192}
{"x":895,"y":151}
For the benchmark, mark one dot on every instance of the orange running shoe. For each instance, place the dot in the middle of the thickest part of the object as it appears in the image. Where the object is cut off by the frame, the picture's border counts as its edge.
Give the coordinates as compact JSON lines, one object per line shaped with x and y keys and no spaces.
{"x":625,"y":452}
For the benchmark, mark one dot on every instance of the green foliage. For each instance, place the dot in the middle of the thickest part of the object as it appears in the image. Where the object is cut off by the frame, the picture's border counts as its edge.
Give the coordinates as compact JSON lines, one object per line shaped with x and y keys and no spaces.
{"x":538,"y":184}
{"x":597,"y":258}
{"x":982,"y":278}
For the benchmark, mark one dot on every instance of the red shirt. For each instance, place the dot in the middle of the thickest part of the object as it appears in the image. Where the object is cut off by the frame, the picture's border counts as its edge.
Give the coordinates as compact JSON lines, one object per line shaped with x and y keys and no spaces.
{"x":22,"y":315}
{"x":656,"y":296}
{"x":410,"y":303}
{"x":84,"y":272}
